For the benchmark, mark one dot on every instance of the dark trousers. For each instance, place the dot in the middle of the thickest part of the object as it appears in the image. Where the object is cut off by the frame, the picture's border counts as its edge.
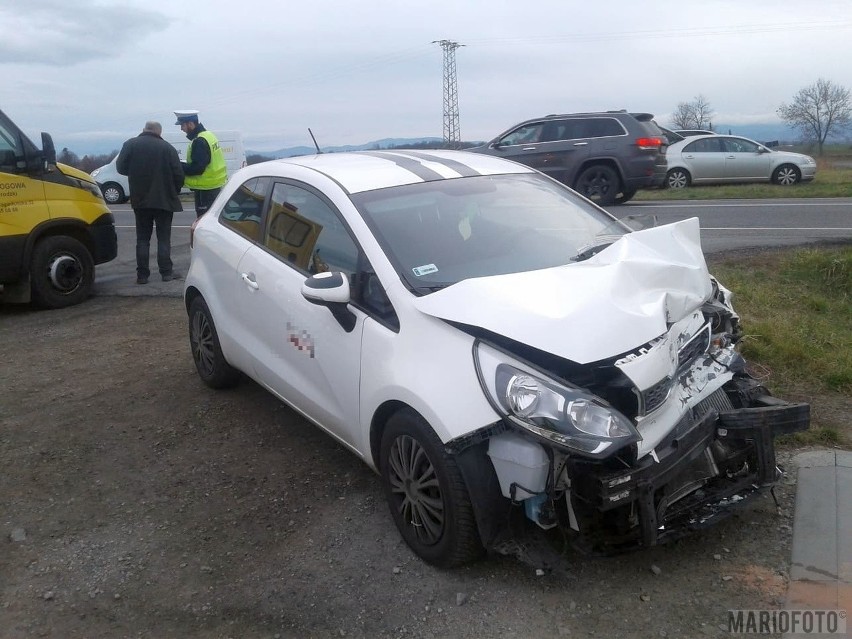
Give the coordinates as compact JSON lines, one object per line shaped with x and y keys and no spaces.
{"x":203,"y":200}
{"x":145,"y":221}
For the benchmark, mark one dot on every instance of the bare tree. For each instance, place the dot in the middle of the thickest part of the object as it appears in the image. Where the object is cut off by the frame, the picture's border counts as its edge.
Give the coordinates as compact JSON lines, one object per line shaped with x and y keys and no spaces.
{"x":697,"y":114}
{"x":818,"y":110}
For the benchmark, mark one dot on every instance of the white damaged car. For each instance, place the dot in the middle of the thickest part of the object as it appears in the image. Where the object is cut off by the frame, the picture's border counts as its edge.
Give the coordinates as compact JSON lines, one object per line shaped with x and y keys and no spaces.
{"x":499,"y":349}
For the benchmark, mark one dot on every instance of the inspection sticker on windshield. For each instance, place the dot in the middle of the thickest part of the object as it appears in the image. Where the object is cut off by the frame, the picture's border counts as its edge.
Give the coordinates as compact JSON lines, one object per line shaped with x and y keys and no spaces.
{"x":426,"y":269}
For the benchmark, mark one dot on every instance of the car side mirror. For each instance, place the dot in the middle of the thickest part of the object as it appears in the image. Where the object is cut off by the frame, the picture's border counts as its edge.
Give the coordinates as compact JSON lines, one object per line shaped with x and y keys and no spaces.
{"x":331,"y":289}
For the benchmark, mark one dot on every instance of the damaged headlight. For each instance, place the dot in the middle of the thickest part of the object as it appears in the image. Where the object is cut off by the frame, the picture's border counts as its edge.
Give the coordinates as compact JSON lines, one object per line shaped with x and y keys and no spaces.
{"x":563,"y":415}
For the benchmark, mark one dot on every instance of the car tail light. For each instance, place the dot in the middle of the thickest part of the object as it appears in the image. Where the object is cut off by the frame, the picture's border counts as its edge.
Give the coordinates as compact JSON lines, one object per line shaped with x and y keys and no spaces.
{"x":649,"y":144}
{"x":192,"y":231}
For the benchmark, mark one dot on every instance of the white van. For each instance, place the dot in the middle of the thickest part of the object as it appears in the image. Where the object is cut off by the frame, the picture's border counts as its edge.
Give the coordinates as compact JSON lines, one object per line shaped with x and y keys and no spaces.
{"x":116,"y":190}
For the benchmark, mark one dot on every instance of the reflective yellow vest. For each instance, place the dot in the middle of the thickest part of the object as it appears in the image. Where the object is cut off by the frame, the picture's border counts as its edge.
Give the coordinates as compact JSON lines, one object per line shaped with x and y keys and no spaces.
{"x":216,"y":173}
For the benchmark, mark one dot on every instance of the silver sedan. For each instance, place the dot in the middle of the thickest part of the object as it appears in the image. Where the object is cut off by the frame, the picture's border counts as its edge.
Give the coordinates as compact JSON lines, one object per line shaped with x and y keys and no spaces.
{"x":713,"y":159}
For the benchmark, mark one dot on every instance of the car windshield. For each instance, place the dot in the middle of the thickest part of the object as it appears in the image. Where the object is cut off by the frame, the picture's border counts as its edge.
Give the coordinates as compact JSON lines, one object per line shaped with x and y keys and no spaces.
{"x":442,"y":232}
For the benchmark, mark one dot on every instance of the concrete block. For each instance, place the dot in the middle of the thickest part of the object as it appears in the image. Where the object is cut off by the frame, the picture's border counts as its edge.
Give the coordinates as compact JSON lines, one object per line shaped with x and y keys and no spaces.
{"x":815,"y":458}
{"x":814,"y":554}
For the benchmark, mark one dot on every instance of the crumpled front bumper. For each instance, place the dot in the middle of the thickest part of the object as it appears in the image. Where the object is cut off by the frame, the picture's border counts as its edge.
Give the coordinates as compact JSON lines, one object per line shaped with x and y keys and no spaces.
{"x":721,"y":460}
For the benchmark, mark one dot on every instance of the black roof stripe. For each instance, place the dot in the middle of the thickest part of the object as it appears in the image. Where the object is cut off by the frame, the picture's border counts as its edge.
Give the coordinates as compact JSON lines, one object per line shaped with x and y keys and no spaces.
{"x":410,"y":164}
{"x":462,"y":169}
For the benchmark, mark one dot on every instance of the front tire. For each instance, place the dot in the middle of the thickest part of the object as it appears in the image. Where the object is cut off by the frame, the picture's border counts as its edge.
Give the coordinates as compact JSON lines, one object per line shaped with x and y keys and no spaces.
{"x":62,"y":272}
{"x":678,"y":179}
{"x":426,"y":493}
{"x":786,"y":175}
{"x":212,"y":367}
{"x":600,"y":184}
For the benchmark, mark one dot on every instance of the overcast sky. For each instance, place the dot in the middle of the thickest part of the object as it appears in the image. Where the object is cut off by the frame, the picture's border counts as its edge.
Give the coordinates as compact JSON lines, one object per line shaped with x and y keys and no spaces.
{"x":91,"y":72}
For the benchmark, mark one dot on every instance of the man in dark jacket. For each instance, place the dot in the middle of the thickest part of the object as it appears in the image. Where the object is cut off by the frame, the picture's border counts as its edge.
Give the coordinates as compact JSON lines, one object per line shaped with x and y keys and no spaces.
{"x":155,"y":175}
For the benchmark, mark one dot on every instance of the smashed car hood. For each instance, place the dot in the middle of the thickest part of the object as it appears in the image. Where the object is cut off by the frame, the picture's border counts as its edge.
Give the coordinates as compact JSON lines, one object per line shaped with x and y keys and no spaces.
{"x":617,"y":300}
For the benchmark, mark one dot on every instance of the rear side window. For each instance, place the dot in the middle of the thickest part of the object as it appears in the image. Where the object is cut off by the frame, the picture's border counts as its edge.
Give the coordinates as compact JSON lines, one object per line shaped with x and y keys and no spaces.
{"x":243,"y":211}
{"x":580,"y":128}
{"x":707,"y":145}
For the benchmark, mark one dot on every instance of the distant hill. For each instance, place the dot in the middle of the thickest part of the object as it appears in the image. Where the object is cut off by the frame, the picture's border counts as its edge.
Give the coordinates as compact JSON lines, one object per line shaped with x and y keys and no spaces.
{"x":760,"y":132}
{"x":385,"y":143}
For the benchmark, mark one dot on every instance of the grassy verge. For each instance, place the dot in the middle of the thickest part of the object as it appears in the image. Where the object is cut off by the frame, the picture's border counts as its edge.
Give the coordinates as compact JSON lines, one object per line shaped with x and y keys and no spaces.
{"x":796,"y":309}
{"x":833,"y":179}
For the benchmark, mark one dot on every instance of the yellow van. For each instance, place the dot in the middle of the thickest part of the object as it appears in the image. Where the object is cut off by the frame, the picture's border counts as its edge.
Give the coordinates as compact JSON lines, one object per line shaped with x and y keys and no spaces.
{"x":54,"y":224}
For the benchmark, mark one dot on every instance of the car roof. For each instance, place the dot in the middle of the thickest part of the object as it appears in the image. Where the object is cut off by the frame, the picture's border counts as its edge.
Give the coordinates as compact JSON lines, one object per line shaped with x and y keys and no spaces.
{"x":359,"y":171}
{"x":642,"y":117}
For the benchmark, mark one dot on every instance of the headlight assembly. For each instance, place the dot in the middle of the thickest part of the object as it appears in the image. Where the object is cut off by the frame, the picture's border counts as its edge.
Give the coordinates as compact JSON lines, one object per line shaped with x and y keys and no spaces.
{"x":562,"y":415}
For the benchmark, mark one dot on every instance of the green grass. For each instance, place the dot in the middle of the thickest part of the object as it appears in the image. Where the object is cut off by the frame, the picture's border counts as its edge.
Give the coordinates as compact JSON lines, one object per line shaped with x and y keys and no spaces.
{"x":833,"y":179}
{"x":796,"y":310}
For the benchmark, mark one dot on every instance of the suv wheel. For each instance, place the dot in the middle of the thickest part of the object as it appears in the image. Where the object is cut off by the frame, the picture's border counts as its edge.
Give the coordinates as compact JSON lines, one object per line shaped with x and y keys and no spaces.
{"x":600,"y":184}
{"x":625,"y":196}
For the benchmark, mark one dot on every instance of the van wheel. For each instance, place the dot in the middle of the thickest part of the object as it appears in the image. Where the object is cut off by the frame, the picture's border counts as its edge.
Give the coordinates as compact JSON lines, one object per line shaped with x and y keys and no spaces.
{"x":113,"y":193}
{"x":600,"y":184}
{"x":212,"y":367}
{"x":426,"y":493}
{"x":62,"y":272}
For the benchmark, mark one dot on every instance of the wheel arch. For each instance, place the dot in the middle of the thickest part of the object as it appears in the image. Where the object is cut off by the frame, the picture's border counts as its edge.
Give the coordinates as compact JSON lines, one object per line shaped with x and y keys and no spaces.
{"x":777,"y":170}
{"x":609,"y":161}
{"x":58,"y":228}
{"x":478,"y":473}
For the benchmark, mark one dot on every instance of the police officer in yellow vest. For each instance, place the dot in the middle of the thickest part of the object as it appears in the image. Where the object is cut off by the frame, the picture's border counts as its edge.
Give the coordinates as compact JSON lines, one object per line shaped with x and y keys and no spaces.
{"x":204,"y":169}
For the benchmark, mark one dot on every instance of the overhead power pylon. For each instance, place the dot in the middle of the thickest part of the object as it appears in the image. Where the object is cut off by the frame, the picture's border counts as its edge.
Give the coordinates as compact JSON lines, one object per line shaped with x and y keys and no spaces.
{"x":452,"y":135}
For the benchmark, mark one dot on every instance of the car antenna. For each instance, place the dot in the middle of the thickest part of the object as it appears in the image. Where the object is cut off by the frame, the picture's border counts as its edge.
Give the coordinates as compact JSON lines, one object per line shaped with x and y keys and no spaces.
{"x":314,"y":139}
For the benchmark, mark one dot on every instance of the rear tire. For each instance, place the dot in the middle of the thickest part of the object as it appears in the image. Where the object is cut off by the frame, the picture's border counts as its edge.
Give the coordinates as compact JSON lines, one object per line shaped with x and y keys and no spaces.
{"x":210,"y":363}
{"x":678,"y":179}
{"x":625,"y":196}
{"x":426,"y":493}
{"x":600,"y":184}
{"x":62,"y":272}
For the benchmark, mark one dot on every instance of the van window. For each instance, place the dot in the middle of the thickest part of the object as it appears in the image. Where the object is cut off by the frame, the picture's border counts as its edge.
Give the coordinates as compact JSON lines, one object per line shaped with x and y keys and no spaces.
{"x":7,"y":149}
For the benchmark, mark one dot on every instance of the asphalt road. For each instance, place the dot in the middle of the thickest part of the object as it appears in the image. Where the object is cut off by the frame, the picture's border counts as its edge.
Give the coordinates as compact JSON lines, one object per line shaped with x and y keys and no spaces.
{"x":725,"y":225}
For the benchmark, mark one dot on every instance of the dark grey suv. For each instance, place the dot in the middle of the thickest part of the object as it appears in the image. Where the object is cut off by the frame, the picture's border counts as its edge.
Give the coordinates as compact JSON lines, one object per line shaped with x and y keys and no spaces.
{"x":605,"y":156}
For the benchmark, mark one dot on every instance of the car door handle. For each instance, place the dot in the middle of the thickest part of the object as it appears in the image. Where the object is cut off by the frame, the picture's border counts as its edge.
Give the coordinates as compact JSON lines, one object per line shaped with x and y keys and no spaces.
{"x":730,"y":157}
{"x":528,"y":148}
{"x":248,"y":278}
{"x":581,"y":143}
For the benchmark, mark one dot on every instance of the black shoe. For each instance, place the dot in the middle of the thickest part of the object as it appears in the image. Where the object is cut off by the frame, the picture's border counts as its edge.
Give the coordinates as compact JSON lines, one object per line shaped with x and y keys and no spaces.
{"x":142,"y":280}
{"x":168,"y":277}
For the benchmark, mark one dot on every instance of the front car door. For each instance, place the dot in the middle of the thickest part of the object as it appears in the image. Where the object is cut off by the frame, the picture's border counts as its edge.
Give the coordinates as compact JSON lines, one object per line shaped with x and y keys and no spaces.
{"x":744,"y":160}
{"x":300,"y":351}
{"x":525,"y":144}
